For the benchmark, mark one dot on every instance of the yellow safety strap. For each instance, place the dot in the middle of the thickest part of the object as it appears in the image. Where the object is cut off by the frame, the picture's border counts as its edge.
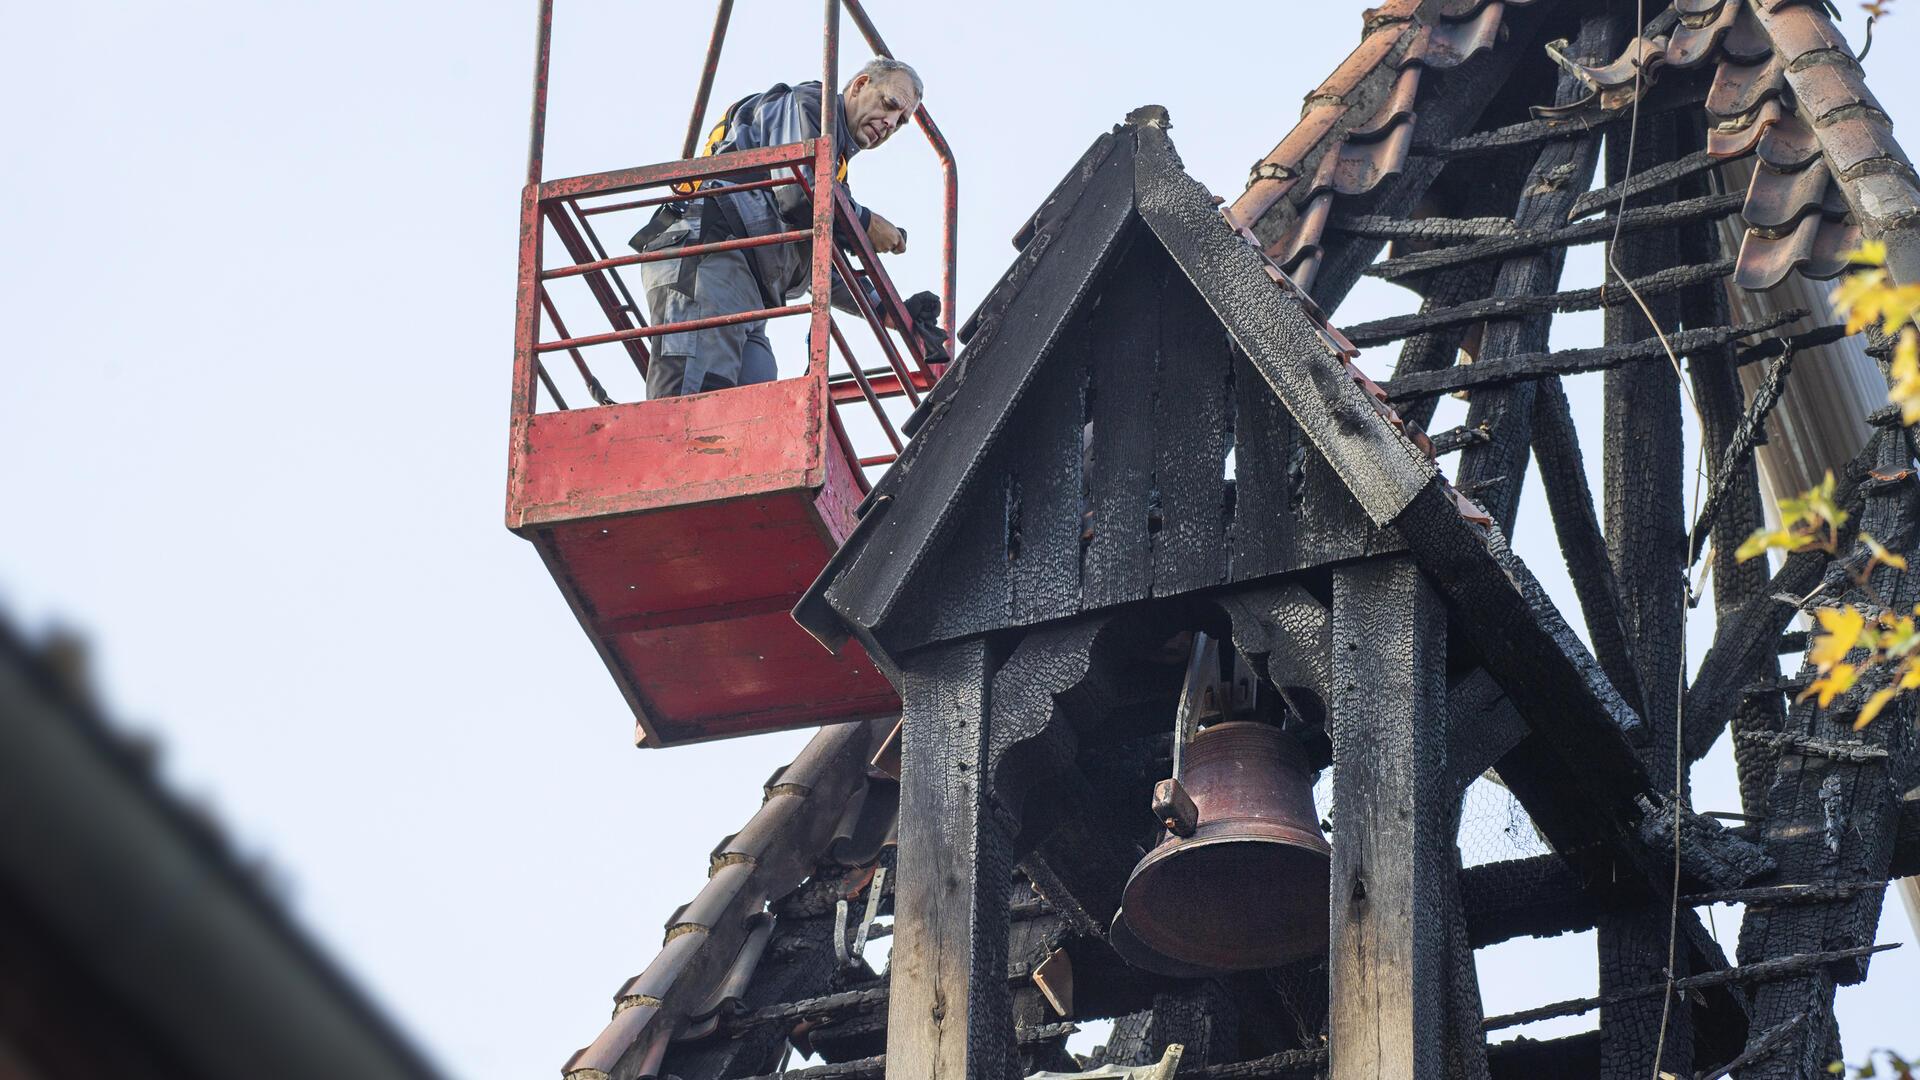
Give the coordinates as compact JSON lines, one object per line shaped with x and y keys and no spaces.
{"x":717,"y":136}
{"x":714,"y":139}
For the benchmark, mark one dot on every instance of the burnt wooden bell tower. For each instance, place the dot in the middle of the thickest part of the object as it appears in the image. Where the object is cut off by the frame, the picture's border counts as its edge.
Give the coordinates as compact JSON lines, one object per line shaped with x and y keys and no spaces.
{"x":1154,"y":435}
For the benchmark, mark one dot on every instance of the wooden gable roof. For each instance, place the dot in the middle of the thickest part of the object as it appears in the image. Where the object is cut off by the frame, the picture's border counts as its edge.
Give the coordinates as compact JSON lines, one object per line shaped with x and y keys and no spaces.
{"x":1075,"y":457}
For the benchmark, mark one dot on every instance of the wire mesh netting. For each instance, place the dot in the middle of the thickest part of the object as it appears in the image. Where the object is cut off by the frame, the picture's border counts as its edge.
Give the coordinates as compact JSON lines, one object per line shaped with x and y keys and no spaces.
{"x":1493,"y":825}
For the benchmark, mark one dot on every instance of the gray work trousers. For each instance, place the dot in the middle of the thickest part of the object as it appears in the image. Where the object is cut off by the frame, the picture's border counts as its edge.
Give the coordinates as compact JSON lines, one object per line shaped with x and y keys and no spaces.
{"x":690,"y":362}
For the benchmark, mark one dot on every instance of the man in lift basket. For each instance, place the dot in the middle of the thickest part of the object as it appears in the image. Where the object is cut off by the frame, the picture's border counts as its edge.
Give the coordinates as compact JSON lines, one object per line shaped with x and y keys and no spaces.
{"x":875,"y":104}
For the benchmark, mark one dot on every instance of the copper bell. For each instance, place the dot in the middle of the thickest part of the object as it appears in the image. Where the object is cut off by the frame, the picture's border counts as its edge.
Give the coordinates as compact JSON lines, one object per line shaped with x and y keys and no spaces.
{"x":1248,"y":888}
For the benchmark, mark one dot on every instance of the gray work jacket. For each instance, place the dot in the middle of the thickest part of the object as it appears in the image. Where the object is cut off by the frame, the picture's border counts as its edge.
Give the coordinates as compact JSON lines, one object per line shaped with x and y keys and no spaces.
{"x":778,"y":116}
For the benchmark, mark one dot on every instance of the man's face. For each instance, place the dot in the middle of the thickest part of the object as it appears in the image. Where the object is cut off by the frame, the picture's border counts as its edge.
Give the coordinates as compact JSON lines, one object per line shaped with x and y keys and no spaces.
{"x":876,"y":108}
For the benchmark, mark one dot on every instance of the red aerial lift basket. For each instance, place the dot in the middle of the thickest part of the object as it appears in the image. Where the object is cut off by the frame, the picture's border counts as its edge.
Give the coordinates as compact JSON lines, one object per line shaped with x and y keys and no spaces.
{"x":682,"y":530}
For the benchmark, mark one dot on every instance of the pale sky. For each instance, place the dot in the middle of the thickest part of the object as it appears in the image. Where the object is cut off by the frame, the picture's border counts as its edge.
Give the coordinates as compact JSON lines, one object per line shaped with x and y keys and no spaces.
{"x":260,"y":270}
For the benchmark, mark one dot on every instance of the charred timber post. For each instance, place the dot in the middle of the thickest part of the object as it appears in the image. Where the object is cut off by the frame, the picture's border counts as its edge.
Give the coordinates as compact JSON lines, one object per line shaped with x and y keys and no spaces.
{"x":949,"y":1014}
{"x":1645,"y":514}
{"x":1389,"y":945}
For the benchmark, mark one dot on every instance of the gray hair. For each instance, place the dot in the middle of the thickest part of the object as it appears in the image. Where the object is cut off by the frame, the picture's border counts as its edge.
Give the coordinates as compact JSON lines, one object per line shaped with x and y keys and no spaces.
{"x":882,"y":66}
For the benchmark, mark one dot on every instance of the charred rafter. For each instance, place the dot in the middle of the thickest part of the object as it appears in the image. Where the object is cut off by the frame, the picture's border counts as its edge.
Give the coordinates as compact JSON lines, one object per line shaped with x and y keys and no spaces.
{"x":1494,"y":372}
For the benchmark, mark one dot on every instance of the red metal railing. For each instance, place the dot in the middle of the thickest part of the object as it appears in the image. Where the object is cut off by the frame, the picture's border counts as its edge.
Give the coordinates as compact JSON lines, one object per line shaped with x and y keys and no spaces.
{"x":565,"y":210}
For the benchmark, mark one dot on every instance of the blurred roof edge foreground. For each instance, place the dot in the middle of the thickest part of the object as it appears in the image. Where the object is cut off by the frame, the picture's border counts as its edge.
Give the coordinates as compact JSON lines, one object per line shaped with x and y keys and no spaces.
{"x":134,"y":942}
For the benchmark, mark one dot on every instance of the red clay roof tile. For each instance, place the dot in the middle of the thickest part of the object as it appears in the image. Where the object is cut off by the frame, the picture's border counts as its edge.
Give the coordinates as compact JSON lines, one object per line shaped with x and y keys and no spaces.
{"x":1853,"y":143}
{"x":1737,"y":136}
{"x":1695,"y":43}
{"x":1398,"y":106}
{"x":1748,"y":42}
{"x":1816,"y":247}
{"x":1449,"y":44}
{"x":1740,"y":88}
{"x":1788,"y":144}
{"x":1777,"y":199}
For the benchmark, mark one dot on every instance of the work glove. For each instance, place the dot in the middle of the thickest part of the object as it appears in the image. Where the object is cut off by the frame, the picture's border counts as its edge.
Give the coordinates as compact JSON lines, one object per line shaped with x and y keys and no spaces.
{"x":924,"y":309}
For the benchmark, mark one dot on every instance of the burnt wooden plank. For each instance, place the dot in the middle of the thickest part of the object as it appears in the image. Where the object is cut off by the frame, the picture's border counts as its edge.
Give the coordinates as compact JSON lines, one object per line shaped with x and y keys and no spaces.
{"x":1390,"y":928}
{"x":1045,"y":494}
{"x":1125,"y":348}
{"x":1261,"y":535}
{"x":1433,"y":350}
{"x":949,"y":1013}
{"x":1052,"y":212}
{"x":1192,"y":406}
{"x":973,"y":589}
{"x":1330,"y":525}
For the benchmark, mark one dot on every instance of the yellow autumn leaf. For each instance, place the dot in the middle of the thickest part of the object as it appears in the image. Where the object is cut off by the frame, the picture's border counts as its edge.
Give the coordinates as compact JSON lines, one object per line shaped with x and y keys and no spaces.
{"x":1840,"y":632}
{"x":1869,"y":253}
{"x":1881,"y":555}
{"x":1762,"y":541}
{"x":1897,"y":306}
{"x":1857,"y":297}
{"x":1905,"y":370}
{"x":1898,"y":634}
{"x":1873,"y":706}
{"x":1831,"y":685}
{"x":1909,"y":676}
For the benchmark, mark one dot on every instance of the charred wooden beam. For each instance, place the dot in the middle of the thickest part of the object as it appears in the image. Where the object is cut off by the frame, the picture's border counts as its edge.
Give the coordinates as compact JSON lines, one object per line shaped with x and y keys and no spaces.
{"x":1786,"y":343}
{"x":1665,"y":281}
{"x":1644,"y":219}
{"x":1529,"y":1059}
{"x":1529,"y":132}
{"x":1494,"y":473}
{"x":1831,"y":815}
{"x":1852,"y":751}
{"x":1764,"y":971}
{"x":1543,"y":896}
{"x":1730,"y":433}
{"x":1645,"y":516}
{"x":1434,"y":350}
{"x":1556,"y":443}
{"x":1382,"y":227}
{"x":1786,"y":894}
{"x":1574,"y":361}
{"x":1642,"y":182}
{"x":1287,"y":1063}
{"x":1534,"y":897}
{"x":1458,"y":438}
{"x":1773,"y":1038}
